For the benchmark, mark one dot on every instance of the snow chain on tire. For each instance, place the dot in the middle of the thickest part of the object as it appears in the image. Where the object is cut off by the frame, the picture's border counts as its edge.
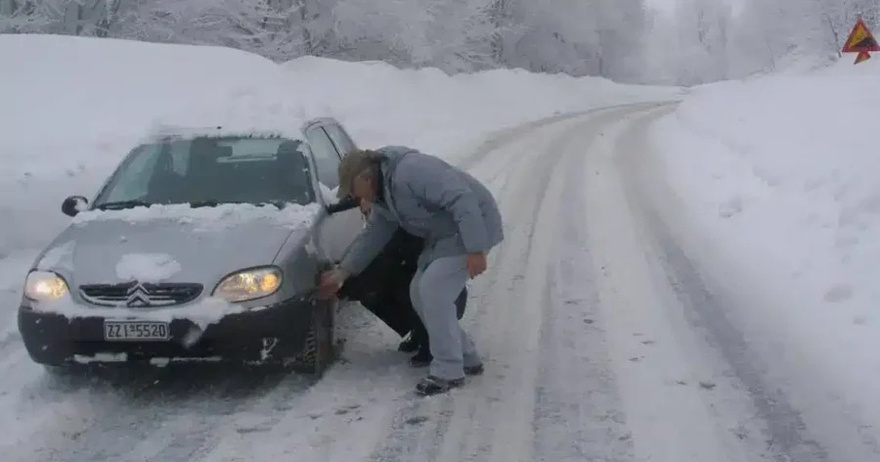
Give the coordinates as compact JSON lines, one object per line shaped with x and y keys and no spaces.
{"x":315,"y":357}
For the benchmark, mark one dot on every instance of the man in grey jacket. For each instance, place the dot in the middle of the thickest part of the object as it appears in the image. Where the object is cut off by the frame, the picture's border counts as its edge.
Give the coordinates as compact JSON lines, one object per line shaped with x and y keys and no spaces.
{"x":459,"y":220}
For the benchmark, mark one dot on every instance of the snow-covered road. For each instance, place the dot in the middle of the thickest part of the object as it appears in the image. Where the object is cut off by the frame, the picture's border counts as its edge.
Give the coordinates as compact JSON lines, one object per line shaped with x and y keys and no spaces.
{"x":601,"y":343}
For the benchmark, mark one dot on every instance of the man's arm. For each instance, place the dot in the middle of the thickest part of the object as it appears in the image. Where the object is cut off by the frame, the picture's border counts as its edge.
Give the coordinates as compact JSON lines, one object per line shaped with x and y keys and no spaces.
{"x":368,"y":243}
{"x":436,"y":183}
{"x":346,"y":203}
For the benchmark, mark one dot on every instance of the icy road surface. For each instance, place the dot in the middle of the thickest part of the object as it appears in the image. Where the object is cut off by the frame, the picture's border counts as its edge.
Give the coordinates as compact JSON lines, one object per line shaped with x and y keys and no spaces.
{"x":601,"y":343}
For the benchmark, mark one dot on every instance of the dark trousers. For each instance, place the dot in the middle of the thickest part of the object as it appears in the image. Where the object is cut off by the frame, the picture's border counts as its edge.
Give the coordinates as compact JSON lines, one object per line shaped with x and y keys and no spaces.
{"x":383,"y":288}
{"x":379,"y":288}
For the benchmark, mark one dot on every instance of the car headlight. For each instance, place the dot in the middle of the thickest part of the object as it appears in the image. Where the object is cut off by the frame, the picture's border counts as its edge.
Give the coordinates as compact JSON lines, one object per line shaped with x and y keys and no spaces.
{"x":44,"y":286}
{"x":249,"y":284}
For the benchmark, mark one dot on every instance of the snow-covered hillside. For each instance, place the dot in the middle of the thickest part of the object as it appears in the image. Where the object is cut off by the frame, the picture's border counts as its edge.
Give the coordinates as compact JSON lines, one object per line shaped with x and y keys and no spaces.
{"x":779,"y":175}
{"x":70,"y":115}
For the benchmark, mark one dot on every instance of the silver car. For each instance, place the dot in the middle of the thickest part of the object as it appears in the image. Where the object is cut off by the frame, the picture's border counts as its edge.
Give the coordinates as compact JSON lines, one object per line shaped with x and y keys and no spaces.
{"x":199,"y":246}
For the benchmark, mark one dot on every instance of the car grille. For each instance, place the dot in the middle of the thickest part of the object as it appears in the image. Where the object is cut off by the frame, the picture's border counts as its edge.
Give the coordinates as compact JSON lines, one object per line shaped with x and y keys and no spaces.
{"x":137,"y":295}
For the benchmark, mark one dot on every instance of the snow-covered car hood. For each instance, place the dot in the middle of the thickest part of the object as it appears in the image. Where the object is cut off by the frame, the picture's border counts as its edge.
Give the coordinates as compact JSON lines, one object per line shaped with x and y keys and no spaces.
{"x":172,"y":243}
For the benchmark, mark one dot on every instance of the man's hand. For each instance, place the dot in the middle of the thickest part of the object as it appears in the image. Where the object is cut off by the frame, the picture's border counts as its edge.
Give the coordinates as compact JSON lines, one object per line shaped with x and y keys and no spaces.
{"x":366,"y":206}
{"x":476,"y":264}
{"x":330,"y":283}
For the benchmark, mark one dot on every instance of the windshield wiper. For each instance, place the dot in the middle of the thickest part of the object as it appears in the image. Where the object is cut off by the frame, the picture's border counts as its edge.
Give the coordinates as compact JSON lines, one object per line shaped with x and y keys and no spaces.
{"x":197,"y":204}
{"x":119,"y":205}
{"x":213,"y":203}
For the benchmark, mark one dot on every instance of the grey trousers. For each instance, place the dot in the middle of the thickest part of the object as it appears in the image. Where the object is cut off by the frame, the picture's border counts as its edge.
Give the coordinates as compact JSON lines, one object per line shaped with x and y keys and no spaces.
{"x":433,"y":291}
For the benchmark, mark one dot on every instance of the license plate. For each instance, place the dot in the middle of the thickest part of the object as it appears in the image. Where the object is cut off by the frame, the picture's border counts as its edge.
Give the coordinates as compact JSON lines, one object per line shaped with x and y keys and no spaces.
{"x":135,"y":330}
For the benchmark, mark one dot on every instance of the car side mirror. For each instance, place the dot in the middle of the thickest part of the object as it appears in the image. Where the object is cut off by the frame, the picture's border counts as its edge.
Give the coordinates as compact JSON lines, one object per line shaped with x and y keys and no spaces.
{"x":73,"y":205}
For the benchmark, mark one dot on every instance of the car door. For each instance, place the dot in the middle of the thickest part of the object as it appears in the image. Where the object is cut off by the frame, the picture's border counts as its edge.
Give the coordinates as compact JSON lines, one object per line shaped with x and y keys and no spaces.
{"x":336,"y":232}
{"x":340,"y":138}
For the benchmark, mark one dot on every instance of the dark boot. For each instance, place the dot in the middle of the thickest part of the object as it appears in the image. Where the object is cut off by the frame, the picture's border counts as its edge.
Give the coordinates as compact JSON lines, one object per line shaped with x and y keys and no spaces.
{"x":409,"y":344}
{"x":431,"y":385}
{"x":474,"y":370}
{"x":422,"y":359}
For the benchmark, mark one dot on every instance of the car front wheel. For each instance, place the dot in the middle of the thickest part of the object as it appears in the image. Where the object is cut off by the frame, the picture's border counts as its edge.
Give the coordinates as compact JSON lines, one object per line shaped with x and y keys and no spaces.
{"x":318,"y":352}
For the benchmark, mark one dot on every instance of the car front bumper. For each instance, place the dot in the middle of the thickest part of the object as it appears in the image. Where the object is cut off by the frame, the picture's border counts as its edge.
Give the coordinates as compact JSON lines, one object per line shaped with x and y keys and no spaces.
{"x":274,"y":332}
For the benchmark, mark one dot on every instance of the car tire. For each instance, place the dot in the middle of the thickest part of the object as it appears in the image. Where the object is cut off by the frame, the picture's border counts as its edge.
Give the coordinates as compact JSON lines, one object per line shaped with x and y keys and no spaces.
{"x":318,"y":352}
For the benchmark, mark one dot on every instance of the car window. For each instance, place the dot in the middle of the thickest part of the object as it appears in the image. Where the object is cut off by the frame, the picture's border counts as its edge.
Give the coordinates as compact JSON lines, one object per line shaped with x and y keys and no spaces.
{"x":179,"y":156}
{"x":213,"y":170}
{"x":326,"y":157}
{"x":343,"y":142}
{"x":132,"y":179}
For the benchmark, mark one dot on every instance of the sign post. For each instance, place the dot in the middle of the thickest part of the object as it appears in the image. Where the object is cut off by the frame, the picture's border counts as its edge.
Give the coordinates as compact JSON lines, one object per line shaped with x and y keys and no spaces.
{"x":861,"y":41}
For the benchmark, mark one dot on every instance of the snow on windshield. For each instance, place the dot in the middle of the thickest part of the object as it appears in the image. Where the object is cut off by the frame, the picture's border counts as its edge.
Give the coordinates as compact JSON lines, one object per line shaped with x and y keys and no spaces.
{"x":206,"y":219}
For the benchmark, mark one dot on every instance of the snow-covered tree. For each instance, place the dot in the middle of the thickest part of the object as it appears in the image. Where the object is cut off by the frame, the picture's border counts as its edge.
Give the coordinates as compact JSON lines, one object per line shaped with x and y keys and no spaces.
{"x":697,"y":41}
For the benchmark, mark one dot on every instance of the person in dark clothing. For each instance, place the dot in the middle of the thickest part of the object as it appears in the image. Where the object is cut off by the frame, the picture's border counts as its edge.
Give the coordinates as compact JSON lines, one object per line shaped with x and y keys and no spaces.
{"x":383,"y":289}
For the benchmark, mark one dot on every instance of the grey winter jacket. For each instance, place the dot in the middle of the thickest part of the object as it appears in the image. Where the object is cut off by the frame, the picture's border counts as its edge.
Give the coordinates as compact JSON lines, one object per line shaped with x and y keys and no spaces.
{"x":427,"y":197}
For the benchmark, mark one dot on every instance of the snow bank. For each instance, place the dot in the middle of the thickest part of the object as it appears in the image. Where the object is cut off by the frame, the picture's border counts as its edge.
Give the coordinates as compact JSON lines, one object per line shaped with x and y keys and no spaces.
{"x":73,"y":106}
{"x":440,"y":113}
{"x":781,"y":172}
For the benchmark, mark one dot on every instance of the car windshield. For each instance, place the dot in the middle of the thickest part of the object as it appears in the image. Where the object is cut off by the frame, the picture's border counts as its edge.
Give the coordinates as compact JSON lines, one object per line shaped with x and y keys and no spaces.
{"x":209,"y":171}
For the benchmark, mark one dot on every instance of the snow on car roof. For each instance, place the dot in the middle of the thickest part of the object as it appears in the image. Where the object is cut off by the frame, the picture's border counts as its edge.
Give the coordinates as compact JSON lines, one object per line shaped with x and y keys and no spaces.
{"x":249,"y":112}
{"x":165,"y":132}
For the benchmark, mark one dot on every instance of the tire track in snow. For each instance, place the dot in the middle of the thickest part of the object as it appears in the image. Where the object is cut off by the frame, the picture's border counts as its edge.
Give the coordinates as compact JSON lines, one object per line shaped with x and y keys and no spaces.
{"x":166,"y":413}
{"x":507,"y":430}
{"x":658,"y":359}
{"x":421,"y":442}
{"x":578,"y":414}
{"x":508,"y":136}
{"x":190,"y":437}
{"x":468,"y":424}
{"x":785,"y":433}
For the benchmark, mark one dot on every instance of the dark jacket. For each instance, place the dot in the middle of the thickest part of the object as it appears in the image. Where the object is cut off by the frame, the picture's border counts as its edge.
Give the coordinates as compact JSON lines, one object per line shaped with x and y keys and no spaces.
{"x":383,"y":286}
{"x":391,"y":270}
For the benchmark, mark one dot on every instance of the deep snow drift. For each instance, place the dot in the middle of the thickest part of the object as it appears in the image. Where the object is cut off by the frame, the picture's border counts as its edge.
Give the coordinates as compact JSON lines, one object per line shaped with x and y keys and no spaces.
{"x":780,"y":175}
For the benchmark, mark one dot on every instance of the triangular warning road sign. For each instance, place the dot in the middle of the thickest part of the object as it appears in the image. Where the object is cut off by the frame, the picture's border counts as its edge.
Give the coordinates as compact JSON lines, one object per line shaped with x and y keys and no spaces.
{"x":860,"y":40}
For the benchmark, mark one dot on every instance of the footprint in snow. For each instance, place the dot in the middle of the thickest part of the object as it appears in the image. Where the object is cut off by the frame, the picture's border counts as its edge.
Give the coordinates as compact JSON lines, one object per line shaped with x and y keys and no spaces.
{"x":730,"y":207}
{"x":346,"y":409}
{"x":257,"y":429}
{"x":416,"y":420}
{"x":839,"y":293}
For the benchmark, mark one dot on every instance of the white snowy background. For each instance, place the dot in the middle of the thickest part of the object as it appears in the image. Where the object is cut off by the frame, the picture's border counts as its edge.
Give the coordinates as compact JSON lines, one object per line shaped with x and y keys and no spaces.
{"x":772,"y":152}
